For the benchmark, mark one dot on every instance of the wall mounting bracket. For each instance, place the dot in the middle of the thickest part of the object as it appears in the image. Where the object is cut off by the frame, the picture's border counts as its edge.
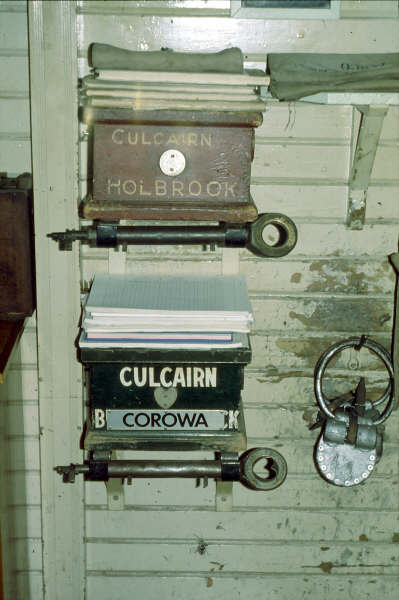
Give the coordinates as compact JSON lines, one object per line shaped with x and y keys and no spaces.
{"x":366,"y":147}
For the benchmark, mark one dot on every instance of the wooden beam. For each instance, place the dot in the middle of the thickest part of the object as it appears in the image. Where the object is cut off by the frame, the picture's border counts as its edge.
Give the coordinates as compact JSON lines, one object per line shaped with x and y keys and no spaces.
{"x":54,"y":78}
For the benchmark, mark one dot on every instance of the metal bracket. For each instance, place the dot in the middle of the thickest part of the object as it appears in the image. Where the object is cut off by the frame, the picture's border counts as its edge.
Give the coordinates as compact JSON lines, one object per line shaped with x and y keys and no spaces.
{"x":230,"y":261}
{"x":115,"y":491}
{"x":366,"y":147}
{"x":115,"y":494}
{"x":224,"y":496}
{"x":116,"y":260}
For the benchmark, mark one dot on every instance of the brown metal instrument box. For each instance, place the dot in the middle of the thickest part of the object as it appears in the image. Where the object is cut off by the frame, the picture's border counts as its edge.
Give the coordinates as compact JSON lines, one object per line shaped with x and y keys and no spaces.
{"x":171,"y":165}
{"x":17,"y":282}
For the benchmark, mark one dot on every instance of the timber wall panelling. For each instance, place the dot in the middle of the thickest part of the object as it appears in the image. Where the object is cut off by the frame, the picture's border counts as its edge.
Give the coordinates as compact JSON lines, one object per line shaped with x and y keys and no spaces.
{"x":306,"y":537}
{"x":20,"y":464}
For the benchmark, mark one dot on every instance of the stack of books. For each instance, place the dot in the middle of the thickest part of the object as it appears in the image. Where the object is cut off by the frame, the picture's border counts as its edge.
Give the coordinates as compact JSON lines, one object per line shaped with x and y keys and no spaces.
{"x":156,"y":90}
{"x":166,"y":312}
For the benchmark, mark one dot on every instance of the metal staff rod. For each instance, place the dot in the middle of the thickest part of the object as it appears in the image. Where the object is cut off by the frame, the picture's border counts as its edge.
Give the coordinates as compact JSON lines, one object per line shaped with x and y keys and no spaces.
{"x":250,"y":235}
{"x":227,"y":235}
{"x":147,"y":468}
{"x":228,"y":467}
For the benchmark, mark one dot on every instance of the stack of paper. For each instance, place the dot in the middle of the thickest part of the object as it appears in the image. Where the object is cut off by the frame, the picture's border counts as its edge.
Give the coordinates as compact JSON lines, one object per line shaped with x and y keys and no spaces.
{"x":154,"y":90}
{"x":168,"y":312}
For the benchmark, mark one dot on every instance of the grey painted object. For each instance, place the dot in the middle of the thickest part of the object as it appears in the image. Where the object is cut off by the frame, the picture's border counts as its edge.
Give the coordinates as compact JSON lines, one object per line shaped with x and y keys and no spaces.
{"x":350,"y":444}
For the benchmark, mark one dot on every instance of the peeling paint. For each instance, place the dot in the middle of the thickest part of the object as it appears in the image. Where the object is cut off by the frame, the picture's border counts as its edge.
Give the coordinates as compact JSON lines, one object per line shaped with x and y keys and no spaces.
{"x":271,"y":370}
{"x":341,"y":315}
{"x":346,"y":555}
{"x":308,"y":349}
{"x":363,"y":538}
{"x":326,"y":567}
{"x":385,"y":318}
{"x":348,"y":278}
{"x":395,"y":537}
{"x":275,"y":376}
{"x":296,"y":277}
{"x":309,"y":415}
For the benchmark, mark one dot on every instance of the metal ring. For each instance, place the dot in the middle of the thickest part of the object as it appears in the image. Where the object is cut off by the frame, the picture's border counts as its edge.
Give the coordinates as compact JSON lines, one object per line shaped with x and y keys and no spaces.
{"x":278,"y":468}
{"x":325,"y":358}
{"x":286,"y":229}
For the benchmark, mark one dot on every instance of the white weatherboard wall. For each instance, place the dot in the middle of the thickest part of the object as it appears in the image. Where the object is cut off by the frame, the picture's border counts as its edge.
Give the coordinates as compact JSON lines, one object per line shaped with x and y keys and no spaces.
{"x":306,"y":537}
{"x":20,"y":475}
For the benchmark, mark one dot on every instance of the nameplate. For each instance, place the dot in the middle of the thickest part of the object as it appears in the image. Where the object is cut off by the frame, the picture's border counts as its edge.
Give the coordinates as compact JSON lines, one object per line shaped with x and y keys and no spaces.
{"x":165,"y":420}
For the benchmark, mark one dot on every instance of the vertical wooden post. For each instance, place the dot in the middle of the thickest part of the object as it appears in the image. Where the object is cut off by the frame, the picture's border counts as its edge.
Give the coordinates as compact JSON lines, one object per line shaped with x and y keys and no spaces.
{"x":53,"y":73}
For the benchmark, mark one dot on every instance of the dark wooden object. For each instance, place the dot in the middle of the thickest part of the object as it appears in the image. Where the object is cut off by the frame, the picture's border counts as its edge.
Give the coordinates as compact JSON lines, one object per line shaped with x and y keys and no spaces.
{"x":17,"y":290}
{"x":128,"y":181}
{"x":10,"y":332}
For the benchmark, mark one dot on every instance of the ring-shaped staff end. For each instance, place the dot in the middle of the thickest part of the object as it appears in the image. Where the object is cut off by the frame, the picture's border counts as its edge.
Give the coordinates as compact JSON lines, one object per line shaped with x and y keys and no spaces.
{"x":276,"y":466}
{"x":286,"y":230}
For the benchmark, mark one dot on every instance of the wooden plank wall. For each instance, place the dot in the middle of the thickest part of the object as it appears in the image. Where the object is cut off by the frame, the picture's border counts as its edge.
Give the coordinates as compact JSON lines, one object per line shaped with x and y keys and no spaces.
{"x":20,"y":489}
{"x":307,"y":535}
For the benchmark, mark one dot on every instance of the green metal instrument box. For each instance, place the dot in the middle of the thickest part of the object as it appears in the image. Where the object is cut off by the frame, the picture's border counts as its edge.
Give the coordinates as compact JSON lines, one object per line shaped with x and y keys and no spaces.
{"x":165,"y":399}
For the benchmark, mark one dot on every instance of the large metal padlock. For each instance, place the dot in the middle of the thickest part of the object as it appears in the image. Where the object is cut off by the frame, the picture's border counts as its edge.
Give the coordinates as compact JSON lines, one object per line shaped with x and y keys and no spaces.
{"x":350,"y":444}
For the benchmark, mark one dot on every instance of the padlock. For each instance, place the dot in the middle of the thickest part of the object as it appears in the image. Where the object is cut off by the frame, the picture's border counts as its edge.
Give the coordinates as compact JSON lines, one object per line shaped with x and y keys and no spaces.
{"x":350,"y":444}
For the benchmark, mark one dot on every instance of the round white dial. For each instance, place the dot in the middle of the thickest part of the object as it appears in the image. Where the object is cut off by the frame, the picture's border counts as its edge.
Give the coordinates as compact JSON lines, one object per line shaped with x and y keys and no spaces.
{"x":172,"y":162}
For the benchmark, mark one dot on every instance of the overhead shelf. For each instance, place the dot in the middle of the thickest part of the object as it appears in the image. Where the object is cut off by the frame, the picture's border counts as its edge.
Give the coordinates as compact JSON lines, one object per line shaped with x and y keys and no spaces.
{"x":368,"y":82}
